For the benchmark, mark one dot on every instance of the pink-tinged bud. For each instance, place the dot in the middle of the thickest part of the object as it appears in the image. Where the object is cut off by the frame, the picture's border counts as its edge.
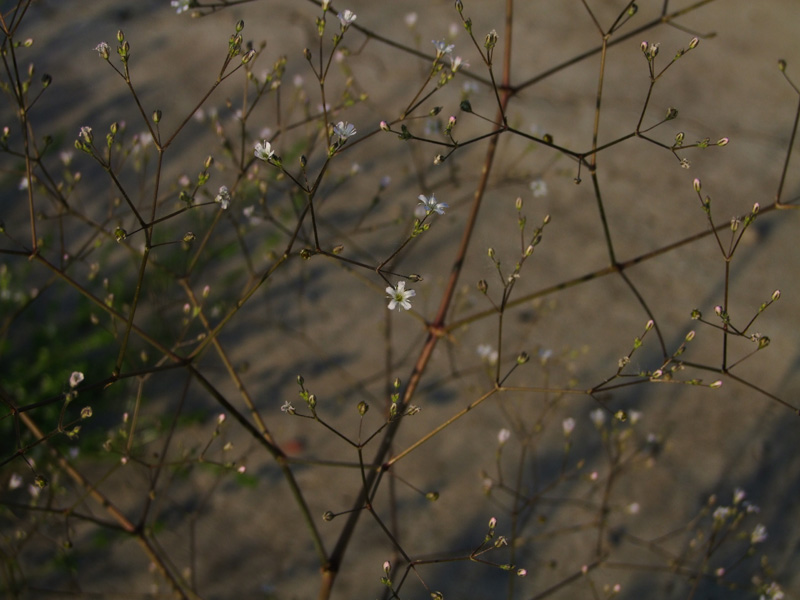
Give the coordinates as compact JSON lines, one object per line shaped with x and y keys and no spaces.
{"x":696,"y":184}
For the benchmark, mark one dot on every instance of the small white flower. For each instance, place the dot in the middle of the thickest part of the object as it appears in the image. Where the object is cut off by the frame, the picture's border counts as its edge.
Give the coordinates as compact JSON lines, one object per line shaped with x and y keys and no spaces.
{"x":223,"y":197}
{"x":399,"y":296}
{"x":539,"y":187}
{"x":442,"y":48}
{"x":264,"y":151}
{"x":288,"y":408}
{"x":180,"y":5}
{"x":102,"y":50}
{"x":773,"y":592}
{"x":749,"y":507}
{"x":410,"y":19}
{"x":721,"y":513}
{"x":431,"y":205}
{"x":759,"y":534}
{"x":633,"y":508}
{"x":346,"y":17}
{"x":567,"y":425}
{"x":75,"y":379}
{"x":15,"y":481}
{"x":598,"y":417}
{"x":635,"y":416}
{"x":86,"y":134}
{"x":503,"y":436}
{"x":738,"y":495}
{"x":456,"y":63}
{"x":487,"y":353}
{"x":344,"y":130}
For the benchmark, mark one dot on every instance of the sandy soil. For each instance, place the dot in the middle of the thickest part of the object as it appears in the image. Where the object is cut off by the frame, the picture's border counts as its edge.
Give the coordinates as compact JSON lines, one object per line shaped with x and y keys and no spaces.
{"x":245,"y":538}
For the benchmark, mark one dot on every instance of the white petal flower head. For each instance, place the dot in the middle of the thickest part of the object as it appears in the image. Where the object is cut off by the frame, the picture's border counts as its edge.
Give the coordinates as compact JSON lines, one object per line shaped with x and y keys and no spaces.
{"x":180,"y":5}
{"x":598,"y":417}
{"x":431,"y":205}
{"x":346,"y":17}
{"x":344,"y":130}
{"x":442,"y":48}
{"x":503,"y":436}
{"x":398,"y":296}
{"x":488,"y":354}
{"x":456,"y":63}
{"x":75,"y":379}
{"x":568,"y":425}
{"x":759,"y":534}
{"x":264,"y":151}
{"x":223,"y":197}
{"x":102,"y":50}
{"x":539,"y":188}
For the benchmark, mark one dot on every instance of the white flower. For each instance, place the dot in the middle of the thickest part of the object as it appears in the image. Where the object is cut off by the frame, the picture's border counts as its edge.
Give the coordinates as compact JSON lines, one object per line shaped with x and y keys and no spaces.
{"x":721,"y":513}
{"x":442,"y":48}
{"x":410,"y":19}
{"x":503,"y":436}
{"x":180,"y":5}
{"x":635,"y":416}
{"x":773,"y":592}
{"x":75,"y":379}
{"x":568,"y":425}
{"x":598,"y":417}
{"x":633,"y":508}
{"x":759,"y":534}
{"x":223,"y":198}
{"x":86,"y":134}
{"x":749,"y":507}
{"x":539,"y":187}
{"x":738,"y":495}
{"x":102,"y":50}
{"x":431,"y":205}
{"x":487,"y":353}
{"x":288,"y":408}
{"x":344,"y":130}
{"x":399,"y":296}
{"x":15,"y":481}
{"x":264,"y":151}
{"x":456,"y":63}
{"x":346,"y":17}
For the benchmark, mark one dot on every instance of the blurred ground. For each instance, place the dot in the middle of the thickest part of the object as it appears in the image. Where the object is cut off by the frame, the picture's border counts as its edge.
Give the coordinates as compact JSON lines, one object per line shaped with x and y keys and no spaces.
{"x":250,"y":540}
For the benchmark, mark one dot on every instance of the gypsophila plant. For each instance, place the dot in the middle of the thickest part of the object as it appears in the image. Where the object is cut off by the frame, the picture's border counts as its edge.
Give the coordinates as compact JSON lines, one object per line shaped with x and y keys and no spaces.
{"x":399,"y":300}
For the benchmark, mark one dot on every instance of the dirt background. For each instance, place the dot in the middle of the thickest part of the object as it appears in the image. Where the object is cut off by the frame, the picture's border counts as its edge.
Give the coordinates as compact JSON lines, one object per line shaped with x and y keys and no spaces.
{"x":248,"y":540}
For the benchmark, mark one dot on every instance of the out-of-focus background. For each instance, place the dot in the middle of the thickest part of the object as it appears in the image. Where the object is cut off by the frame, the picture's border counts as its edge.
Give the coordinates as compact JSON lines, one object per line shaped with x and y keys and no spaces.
{"x":244,"y":537}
